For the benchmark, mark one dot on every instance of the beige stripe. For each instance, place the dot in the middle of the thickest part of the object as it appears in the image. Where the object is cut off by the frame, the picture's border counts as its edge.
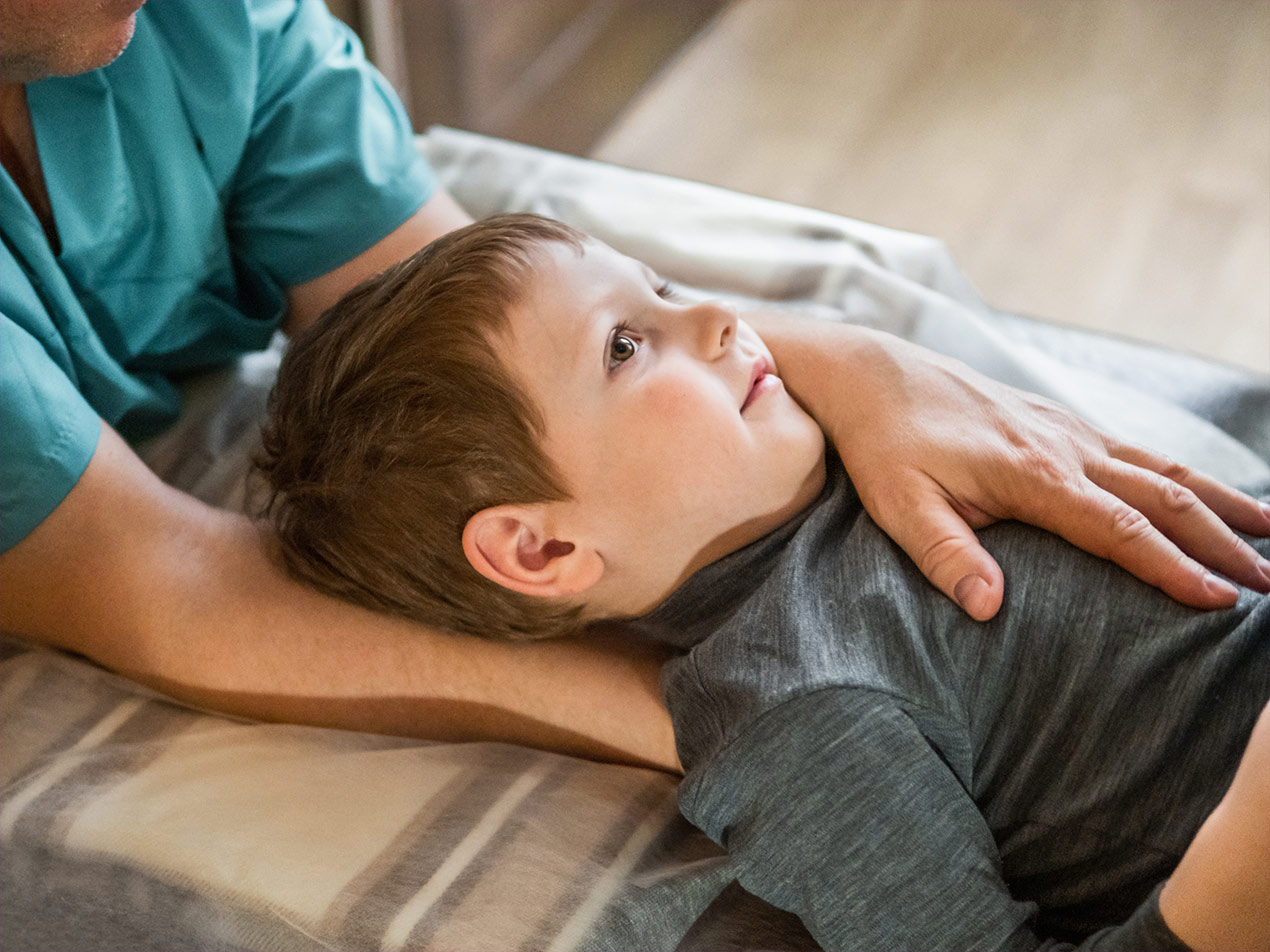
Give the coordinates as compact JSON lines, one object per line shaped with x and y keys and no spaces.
{"x":18,"y":674}
{"x":612,"y":878}
{"x":18,"y":747}
{"x":64,"y":764}
{"x":398,"y":931}
{"x":435,"y":792}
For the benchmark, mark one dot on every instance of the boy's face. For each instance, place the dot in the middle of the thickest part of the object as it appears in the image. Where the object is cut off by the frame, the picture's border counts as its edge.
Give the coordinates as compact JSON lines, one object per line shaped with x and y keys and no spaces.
{"x":675,"y":438}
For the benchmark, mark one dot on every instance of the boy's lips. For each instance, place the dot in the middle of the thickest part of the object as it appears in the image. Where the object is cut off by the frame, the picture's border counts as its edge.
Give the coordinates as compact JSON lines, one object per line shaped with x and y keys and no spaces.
{"x":761,"y":380}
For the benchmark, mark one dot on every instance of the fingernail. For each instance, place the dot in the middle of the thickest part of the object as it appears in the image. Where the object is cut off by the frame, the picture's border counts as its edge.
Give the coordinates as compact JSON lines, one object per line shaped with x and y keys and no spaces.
{"x":1219,"y":586}
{"x":1265,"y":510}
{"x":971,"y":594}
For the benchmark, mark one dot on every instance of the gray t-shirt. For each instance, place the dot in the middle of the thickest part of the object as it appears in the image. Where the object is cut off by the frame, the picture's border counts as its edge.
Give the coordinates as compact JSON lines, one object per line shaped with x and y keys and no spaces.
{"x":903,"y":778}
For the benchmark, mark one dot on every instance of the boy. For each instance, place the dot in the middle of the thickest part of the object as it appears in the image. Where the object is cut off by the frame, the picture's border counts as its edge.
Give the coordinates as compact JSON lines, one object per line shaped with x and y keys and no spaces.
{"x":519,"y":431}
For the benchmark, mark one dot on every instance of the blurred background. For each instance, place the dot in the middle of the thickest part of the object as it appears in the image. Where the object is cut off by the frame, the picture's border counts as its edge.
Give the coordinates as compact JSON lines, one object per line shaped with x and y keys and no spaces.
{"x":1104,"y":163}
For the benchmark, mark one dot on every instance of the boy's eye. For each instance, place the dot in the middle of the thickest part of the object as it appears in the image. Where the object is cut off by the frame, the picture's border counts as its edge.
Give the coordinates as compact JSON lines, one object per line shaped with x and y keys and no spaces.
{"x":622,"y":347}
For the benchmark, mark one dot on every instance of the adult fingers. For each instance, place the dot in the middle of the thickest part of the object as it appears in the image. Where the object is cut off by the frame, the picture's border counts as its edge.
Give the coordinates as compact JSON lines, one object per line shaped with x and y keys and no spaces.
{"x":1102,"y":523}
{"x":1180,"y":514}
{"x":946,"y":550}
{"x":1238,"y":510}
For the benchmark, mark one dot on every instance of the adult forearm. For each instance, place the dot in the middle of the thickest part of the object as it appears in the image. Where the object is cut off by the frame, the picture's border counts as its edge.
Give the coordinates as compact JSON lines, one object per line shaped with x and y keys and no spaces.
{"x":188,"y":599}
{"x":261,"y":645}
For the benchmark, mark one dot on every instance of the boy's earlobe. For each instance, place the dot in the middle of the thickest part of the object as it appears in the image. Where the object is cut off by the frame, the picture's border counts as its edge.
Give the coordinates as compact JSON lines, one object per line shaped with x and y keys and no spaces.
{"x":512,"y":545}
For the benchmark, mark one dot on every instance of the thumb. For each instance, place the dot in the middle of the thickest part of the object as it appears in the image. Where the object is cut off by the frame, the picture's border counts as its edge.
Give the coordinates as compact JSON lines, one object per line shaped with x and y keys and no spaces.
{"x":948,"y":553}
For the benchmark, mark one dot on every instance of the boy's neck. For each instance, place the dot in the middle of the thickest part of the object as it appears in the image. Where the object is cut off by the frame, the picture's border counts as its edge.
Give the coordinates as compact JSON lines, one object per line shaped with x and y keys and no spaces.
{"x":632,"y":594}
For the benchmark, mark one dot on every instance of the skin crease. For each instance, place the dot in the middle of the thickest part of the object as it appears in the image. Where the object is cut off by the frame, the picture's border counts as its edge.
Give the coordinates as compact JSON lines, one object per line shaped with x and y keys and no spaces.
{"x":642,"y":395}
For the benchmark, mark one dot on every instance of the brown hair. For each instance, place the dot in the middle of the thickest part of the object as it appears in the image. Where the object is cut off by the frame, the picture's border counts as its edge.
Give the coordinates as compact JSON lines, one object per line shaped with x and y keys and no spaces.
{"x":392,"y":422}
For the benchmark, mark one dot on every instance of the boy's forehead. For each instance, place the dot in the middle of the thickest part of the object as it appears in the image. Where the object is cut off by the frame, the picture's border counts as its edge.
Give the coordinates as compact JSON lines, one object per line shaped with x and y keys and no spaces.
{"x":576,"y":284}
{"x":553,"y":321}
{"x":590,"y":260}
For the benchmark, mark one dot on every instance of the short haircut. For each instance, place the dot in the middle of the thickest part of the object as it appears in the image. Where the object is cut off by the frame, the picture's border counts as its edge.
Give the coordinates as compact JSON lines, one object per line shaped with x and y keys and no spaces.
{"x":393,"y":422}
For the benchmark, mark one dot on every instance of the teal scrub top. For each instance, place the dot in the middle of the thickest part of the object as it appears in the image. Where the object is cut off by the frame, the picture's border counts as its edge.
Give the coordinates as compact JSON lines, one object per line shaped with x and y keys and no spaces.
{"x":233,"y":150}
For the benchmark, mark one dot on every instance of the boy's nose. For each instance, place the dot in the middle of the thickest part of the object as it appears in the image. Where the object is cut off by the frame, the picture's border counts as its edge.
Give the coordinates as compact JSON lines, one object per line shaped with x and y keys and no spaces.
{"x":715,"y":328}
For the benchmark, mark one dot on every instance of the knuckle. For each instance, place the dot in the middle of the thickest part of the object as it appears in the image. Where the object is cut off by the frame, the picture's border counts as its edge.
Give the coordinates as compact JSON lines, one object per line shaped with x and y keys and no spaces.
{"x":1129,"y":526}
{"x":1175,"y":471}
{"x":1177,"y":498}
{"x":1067,"y":423}
{"x":1046,"y":490}
{"x":1044,"y":467}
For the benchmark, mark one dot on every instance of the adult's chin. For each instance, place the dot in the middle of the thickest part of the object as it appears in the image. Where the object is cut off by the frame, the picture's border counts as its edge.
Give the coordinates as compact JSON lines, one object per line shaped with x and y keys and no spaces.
{"x":61,"y":38}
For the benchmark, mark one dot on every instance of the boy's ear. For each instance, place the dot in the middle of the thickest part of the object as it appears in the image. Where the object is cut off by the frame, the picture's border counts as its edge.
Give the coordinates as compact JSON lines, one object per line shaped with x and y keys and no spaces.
{"x":513,"y":546}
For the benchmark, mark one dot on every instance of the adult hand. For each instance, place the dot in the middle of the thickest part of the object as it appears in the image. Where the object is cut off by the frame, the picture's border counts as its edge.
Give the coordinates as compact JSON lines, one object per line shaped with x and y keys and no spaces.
{"x":937,"y":450}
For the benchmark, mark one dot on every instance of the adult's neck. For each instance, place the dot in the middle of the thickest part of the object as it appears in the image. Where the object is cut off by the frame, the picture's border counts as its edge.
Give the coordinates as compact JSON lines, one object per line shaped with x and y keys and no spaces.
{"x":21,"y":156}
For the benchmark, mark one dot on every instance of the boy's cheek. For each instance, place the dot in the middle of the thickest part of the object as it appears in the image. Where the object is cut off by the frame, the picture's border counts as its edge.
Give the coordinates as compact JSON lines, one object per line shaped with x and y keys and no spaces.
{"x":668,"y":400}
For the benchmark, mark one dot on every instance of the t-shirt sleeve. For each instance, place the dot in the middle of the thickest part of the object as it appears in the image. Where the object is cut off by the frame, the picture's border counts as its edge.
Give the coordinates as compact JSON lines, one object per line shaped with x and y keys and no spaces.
{"x":330,"y":165}
{"x":834,"y":806}
{"x":48,"y":433}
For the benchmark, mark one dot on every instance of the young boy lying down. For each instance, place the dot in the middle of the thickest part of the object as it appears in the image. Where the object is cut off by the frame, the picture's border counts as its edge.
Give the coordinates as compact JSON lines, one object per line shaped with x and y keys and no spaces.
{"x":519,"y":431}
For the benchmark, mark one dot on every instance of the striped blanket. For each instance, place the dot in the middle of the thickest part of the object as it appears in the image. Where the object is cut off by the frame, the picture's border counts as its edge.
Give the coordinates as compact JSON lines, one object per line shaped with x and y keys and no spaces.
{"x":128,"y":821}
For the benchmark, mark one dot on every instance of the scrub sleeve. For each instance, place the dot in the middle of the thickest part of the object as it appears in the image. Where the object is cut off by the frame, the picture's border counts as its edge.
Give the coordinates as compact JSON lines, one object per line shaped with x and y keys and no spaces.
{"x":233,"y":150}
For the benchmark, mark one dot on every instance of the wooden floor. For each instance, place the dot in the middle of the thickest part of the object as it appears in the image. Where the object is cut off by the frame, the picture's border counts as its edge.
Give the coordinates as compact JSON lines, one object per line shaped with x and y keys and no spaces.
{"x":1098,"y":163}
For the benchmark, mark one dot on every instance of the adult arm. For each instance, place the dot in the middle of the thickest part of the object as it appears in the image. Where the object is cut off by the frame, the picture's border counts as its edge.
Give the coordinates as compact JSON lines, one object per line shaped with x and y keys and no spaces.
{"x":191,"y":600}
{"x":437,"y":216}
{"x":937,"y":450}
{"x":115,"y":565}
